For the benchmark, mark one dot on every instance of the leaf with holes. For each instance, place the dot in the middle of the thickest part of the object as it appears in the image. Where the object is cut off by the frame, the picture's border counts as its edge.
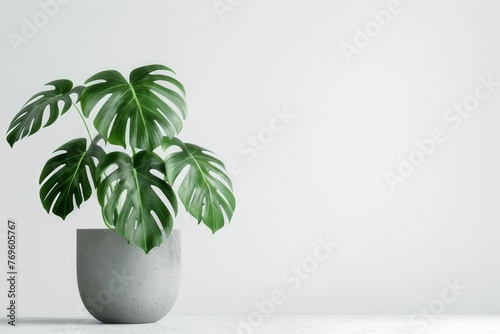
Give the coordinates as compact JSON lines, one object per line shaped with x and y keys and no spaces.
{"x":206,"y":190}
{"x":65,"y":177}
{"x":137,"y":104}
{"x":30,"y":119}
{"x":129,"y":200}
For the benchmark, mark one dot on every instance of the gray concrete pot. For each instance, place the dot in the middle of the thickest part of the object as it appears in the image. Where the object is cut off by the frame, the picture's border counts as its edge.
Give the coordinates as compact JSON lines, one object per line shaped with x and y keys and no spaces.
{"x":120,"y":284}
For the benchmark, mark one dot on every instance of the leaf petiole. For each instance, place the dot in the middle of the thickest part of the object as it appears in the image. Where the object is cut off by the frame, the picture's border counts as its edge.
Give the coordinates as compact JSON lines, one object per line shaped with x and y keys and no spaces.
{"x":83,"y":119}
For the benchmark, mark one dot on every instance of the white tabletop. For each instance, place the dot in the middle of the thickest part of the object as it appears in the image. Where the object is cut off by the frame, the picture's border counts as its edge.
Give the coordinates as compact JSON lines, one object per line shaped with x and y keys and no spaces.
{"x":277,"y":324}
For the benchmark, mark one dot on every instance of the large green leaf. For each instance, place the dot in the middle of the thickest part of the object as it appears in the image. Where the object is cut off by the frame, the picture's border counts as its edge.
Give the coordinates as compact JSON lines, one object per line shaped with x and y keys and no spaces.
{"x":137,"y":103}
{"x":30,"y":119}
{"x":65,"y":177}
{"x":128,"y":197}
{"x":206,"y":190}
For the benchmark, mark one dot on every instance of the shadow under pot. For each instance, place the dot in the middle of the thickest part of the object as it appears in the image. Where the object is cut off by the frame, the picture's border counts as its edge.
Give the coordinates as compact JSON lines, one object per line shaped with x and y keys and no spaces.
{"x":120,"y":284}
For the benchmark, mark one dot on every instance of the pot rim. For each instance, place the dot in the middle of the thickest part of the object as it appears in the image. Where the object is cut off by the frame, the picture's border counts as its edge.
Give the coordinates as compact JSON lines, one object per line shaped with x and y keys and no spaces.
{"x":110,"y":229}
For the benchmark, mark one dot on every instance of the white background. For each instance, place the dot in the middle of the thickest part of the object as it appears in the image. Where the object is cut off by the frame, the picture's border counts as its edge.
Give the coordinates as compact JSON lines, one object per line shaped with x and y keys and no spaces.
{"x":322,"y":175}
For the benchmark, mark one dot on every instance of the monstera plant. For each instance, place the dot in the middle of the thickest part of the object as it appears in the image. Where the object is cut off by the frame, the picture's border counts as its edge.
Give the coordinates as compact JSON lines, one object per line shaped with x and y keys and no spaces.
{"x":134,"y":185}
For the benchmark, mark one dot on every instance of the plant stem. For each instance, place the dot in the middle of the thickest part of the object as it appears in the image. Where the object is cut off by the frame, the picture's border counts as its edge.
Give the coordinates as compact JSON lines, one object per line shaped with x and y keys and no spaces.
{"x":83,"y":119}
{"x":109,"y":192}
{"x":133,"y":150}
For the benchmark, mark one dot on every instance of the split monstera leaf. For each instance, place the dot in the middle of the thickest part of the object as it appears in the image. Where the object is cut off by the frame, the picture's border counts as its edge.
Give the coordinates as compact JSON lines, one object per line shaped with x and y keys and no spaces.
{"x":137,"y":191}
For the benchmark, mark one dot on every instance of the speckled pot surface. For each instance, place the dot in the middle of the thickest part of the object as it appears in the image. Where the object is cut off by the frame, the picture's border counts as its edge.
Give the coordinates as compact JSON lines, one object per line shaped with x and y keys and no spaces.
{"x":120,"y":284}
